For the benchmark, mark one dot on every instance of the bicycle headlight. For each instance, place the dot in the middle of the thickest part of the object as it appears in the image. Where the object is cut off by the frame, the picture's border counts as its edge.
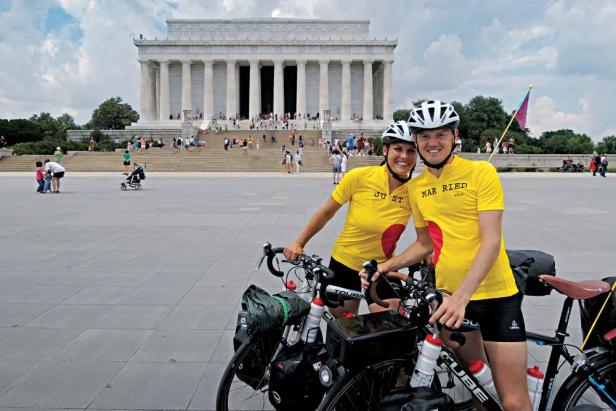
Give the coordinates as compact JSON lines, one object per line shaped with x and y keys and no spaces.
{"x":326,"y":376}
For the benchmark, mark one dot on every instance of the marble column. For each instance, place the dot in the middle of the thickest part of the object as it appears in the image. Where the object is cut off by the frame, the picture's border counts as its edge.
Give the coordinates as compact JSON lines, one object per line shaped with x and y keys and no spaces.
{"x":144,"y":95}
{"x":278,"y":88}
{"x":254,"y":95}
{"x":164,"y":91}
{"x":208,"y":90}
{"x":345,"y":109}
{"x":323,"y":86}
{"x":368,"y":96}
{"x":186,"y":89}
{"x":152,"y":89}
{"x":301,"y":87}
{"x":388,"y":100}
{"x":231,"y":89}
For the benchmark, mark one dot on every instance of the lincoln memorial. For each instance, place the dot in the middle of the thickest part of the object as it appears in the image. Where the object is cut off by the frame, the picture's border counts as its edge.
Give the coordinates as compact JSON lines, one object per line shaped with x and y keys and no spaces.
{"x":242,"y":68}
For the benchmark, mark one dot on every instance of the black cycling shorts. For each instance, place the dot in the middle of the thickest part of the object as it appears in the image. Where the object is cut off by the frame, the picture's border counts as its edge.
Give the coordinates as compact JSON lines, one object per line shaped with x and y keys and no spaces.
{"x":347,"y":277}
{"x":500,"y":319}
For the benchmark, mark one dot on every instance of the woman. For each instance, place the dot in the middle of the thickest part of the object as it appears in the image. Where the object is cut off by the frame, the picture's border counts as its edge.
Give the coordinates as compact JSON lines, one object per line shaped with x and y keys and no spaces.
{"x":297,"y":160}
{"x":379,"y":210}
{"x":336,"y":160}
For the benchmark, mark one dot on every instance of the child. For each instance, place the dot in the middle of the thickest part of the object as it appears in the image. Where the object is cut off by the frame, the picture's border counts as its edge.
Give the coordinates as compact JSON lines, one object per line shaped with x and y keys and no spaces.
{"x":39,"y":177}
{"x":47,"y":185}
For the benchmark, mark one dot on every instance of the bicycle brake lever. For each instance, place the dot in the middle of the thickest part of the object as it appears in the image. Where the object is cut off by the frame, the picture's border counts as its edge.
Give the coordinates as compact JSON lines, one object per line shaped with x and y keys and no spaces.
{"x":260,"y":263}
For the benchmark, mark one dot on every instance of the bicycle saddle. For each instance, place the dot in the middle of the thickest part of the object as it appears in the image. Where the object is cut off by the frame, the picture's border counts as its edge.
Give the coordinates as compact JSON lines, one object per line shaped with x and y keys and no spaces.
{"x":578,"y":290}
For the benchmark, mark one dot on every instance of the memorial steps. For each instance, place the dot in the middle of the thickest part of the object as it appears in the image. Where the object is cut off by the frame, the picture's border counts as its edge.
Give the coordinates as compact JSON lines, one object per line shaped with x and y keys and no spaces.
{"x":213,"y":158}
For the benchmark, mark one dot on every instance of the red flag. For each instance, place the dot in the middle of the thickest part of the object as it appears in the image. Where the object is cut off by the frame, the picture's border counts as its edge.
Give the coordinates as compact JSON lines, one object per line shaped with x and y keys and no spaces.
{"x":520,"y":114}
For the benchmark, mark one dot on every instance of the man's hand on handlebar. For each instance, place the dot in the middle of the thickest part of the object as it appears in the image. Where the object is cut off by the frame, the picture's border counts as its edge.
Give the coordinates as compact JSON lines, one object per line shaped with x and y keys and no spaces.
{"x":451,"y":312}
{"x":293,"y":250}
{"x":363,"y":275}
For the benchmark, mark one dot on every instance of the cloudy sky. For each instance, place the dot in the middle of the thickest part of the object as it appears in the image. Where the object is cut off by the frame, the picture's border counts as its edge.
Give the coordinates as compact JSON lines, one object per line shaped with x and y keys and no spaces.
{"x":70,"y":55}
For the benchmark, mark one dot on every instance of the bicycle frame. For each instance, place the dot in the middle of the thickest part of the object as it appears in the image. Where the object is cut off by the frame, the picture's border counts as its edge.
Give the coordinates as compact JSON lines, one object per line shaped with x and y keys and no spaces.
{"x":558,"y":350}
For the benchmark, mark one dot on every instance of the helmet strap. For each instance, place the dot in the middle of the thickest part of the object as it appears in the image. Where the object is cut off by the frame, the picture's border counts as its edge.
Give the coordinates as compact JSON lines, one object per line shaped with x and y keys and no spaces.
{"x":437,"y":166}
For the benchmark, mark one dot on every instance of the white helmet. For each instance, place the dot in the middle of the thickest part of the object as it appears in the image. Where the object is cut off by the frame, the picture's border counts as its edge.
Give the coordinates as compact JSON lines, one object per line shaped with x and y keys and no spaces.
{"x":398,"y":130}
{"x":433,"y":114}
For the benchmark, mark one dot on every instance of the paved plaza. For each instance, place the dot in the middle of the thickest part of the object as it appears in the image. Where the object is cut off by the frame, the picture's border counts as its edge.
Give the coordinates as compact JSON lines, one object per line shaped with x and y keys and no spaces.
{"x":127,"y":300}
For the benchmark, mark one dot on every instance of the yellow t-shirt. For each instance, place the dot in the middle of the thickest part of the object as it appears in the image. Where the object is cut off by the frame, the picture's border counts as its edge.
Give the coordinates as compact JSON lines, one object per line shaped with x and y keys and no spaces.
{"x":375,"y":220}
{"x":449,"y":206}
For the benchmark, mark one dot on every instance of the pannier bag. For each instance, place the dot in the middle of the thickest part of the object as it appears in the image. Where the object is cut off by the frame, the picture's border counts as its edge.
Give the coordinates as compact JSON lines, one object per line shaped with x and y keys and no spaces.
{"x":293,"y":380}
{"x":527,"y":266}
{"x":607,"y":322}
{"x":263,"y":312}
{"x":416,"y":399}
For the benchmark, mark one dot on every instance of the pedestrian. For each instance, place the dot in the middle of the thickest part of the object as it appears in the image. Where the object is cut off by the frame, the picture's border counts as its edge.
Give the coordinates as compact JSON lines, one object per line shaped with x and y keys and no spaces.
{"x":488,"y":147}
{"x":336,"y":160}
{"x":603,"y":165}
{"x":245,"y":147}
{"x":595,"y":162}
{"x":287,"y":162}
{"x":297,"y":159}
{"x":126,"y":163}
{"x":344,"y":162}
{"x":57,"y":172}
{"x":57,"y":155}
{"x":38,"y":175}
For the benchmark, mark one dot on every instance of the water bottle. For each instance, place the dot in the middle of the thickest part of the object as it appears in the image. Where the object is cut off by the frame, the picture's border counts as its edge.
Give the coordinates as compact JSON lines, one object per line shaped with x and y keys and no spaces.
{"x":535,"y":378}
{"x":313,"y":321}
{"x":290,"y":333}
{"x":482,"y":372}
{"x":426,"y":362}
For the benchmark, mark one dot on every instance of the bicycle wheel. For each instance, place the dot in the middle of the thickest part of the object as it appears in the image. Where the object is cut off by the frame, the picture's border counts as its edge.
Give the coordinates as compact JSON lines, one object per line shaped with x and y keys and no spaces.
{"x":578,"y":391}
{"x":244,"y":384}
{"x":364,"y":389}
{"x":460,"y":395}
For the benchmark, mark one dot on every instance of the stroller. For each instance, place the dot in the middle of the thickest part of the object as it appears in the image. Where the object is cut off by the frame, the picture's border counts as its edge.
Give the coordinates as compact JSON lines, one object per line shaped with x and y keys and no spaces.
{"x":133,"y":180}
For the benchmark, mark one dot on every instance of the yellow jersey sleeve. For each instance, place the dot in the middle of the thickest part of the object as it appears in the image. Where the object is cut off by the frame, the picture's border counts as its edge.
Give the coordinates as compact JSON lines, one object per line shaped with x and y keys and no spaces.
{"x":489,"y":189}
{"x":418,"y":218}
{"x":346,"y":187}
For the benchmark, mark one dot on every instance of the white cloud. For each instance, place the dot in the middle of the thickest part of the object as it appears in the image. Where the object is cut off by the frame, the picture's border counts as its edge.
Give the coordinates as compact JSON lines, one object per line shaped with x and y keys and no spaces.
{"x":449,"y":50}
{"x":543,"y":115}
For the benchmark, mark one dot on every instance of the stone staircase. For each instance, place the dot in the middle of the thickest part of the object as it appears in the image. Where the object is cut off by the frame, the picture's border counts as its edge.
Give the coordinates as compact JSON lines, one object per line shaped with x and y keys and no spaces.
{"x":213,"y":158}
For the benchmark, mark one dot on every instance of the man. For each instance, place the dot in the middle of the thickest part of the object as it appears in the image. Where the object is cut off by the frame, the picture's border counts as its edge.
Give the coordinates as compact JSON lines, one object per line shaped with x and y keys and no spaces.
{"x":57,"y":172}
{"x":457,"y":208}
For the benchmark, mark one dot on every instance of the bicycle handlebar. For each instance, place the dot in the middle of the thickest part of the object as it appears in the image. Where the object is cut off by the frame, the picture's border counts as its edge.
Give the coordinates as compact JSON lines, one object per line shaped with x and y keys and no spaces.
{"x":311,"y":263}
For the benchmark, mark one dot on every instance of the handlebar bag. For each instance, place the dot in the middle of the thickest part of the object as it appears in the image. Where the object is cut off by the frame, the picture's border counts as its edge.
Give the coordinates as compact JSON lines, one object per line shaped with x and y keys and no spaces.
{"x":369,"y":338}
{"x":527,"y":266}
{"x":607,"y":322}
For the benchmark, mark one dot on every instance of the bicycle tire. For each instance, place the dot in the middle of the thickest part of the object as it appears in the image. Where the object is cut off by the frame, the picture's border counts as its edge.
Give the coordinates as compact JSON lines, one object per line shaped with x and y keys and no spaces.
{"x":576,"y":390}
{"x":236,"y":394}
{"x":362,"y":390}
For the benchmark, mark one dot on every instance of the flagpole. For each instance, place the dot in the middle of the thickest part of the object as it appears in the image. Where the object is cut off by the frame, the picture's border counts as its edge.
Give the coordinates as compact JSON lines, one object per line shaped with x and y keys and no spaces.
{"x":495,"y":149}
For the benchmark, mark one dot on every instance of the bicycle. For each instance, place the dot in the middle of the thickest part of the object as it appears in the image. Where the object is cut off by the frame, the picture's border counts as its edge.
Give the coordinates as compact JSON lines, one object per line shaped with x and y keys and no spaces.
{"x":592,"y":380}
{"x":264,"y":357}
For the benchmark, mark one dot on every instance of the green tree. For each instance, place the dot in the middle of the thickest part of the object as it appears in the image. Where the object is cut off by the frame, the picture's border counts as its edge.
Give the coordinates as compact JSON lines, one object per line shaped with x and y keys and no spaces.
{"x":20,"y":130}
{"x":112,"y":114}
{"x":401,"y":114}
{"x":49,"y":125}
{"x":607,"y":145}
{"x":566,"y":142}
{"x":482,"y":113}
